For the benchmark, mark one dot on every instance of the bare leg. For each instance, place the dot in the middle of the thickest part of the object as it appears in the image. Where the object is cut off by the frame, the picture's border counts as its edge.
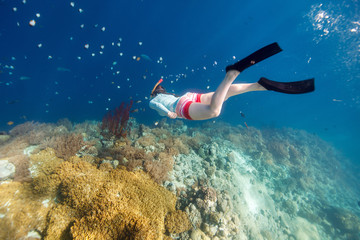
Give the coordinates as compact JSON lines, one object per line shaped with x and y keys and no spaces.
{"x":201,"y":111}
{"x":235,"y":89}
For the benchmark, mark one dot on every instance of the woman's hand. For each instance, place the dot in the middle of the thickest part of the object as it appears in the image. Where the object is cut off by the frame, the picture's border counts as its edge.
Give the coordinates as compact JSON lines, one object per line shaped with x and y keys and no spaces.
{"x":172,"y":115}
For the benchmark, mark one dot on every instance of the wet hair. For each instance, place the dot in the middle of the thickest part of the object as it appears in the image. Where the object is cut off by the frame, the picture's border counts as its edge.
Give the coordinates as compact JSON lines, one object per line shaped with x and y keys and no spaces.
{"x":160,"y":90}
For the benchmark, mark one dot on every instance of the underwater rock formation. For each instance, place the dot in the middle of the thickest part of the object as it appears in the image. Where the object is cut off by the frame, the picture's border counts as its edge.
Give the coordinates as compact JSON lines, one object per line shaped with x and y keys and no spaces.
{"x":7,"y":169}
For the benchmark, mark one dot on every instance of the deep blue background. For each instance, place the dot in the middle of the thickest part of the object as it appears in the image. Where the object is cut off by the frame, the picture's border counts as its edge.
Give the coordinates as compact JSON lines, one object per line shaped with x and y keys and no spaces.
{"x":320,"y":39}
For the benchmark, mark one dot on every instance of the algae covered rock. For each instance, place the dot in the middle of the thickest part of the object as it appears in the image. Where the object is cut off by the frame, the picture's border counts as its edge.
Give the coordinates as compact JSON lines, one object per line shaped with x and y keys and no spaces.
{"x":344,"y":220}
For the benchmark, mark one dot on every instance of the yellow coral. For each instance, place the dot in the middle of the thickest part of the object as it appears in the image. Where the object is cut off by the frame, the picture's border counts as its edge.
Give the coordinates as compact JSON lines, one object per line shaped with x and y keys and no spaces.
{"x":94,"y":203}
{"x":114,"y":205}
{"x":43,"y":164}
{"x":22,"y":211}
{"x":177,"y":222}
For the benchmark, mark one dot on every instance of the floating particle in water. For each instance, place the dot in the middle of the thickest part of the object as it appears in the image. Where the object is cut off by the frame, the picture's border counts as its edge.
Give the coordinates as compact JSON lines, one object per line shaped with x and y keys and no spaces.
{"x":86,"y":46}
{"x":96,"y":25}
{"x":82,"y":26}
{"x":56,"y":93}
{"x":156,"y":123}
{"x":24,"y":1}
{"x":118,"y":87}
{"x":234,"y":57}
{"x":32,"y":23}
{"x":140,"y":43}
{"x":39,"y":45}
{"x":138,"y":59}
{"x":72,"y":4}
{"x":134,"y":57}
{"x":38,"y":15}
{"x":102,"y":46}
{"x":121,"y":54}
{"x":101,"y":52}
{"x":80,"y":10}
{"x":13,"y":58}
{"x":118,"y":44}
{"x":103,"y":29}
{"x":160,"y":60}
{"x":112,"y":44}
{"x":207,"y":87}
{"x":71,"y":38}
{"x":14,"y":9}
{"x":93,"y":54}
{"x":215,"y":63}
{"x":50,"y":57}
{"x":9,"y":67}
{"x":109,"y":99}
{"x":79,"y":58}
{"x":204,"y":68}
{"x":117,"y":72}
{"x":90,"y":102}
{"x":18,"y":24}
{"x":69,"y":98}
{"x":114,"y":63}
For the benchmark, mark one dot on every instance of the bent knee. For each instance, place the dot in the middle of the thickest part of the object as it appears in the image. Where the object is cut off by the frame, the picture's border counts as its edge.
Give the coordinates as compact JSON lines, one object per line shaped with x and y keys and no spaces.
{"x":215,"y":113}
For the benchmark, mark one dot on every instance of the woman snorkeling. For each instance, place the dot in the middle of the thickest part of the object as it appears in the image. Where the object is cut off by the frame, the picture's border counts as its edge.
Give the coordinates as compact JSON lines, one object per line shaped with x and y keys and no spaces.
{"x":196,"y":106}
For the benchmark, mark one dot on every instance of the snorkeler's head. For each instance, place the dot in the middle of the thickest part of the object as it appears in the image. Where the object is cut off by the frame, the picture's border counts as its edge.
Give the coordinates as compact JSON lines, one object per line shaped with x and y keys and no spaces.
{"x":158,"y":89}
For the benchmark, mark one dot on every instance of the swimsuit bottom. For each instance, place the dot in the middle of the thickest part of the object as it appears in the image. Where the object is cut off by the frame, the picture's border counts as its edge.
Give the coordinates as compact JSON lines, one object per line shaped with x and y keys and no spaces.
{"x":182,"y":107}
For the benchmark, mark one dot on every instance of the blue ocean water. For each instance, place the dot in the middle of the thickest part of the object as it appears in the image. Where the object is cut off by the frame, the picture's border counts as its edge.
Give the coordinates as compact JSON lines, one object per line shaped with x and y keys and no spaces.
{"x":78,"y":59}
{"x":47,"y":73}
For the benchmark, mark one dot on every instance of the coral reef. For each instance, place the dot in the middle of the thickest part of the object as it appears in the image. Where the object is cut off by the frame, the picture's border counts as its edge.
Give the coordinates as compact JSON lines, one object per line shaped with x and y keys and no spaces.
{"x":173,"y":181}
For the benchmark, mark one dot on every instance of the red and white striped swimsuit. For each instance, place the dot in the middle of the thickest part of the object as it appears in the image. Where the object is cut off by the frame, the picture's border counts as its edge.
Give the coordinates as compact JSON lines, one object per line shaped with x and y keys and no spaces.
{"x":182,"y":107}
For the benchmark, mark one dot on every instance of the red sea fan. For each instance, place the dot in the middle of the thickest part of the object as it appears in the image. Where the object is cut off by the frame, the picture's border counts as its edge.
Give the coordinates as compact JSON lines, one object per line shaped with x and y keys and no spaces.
{"x":115,"y":123}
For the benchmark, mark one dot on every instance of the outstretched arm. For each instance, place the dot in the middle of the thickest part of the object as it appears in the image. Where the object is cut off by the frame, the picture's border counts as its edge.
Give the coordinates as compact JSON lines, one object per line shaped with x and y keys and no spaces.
{"x":162,"y":110}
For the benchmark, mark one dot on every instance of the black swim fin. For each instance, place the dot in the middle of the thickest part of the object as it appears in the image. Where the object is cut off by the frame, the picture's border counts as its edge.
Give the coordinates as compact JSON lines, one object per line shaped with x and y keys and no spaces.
{"x":255,"y":57}
{"x":298,"y":87}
